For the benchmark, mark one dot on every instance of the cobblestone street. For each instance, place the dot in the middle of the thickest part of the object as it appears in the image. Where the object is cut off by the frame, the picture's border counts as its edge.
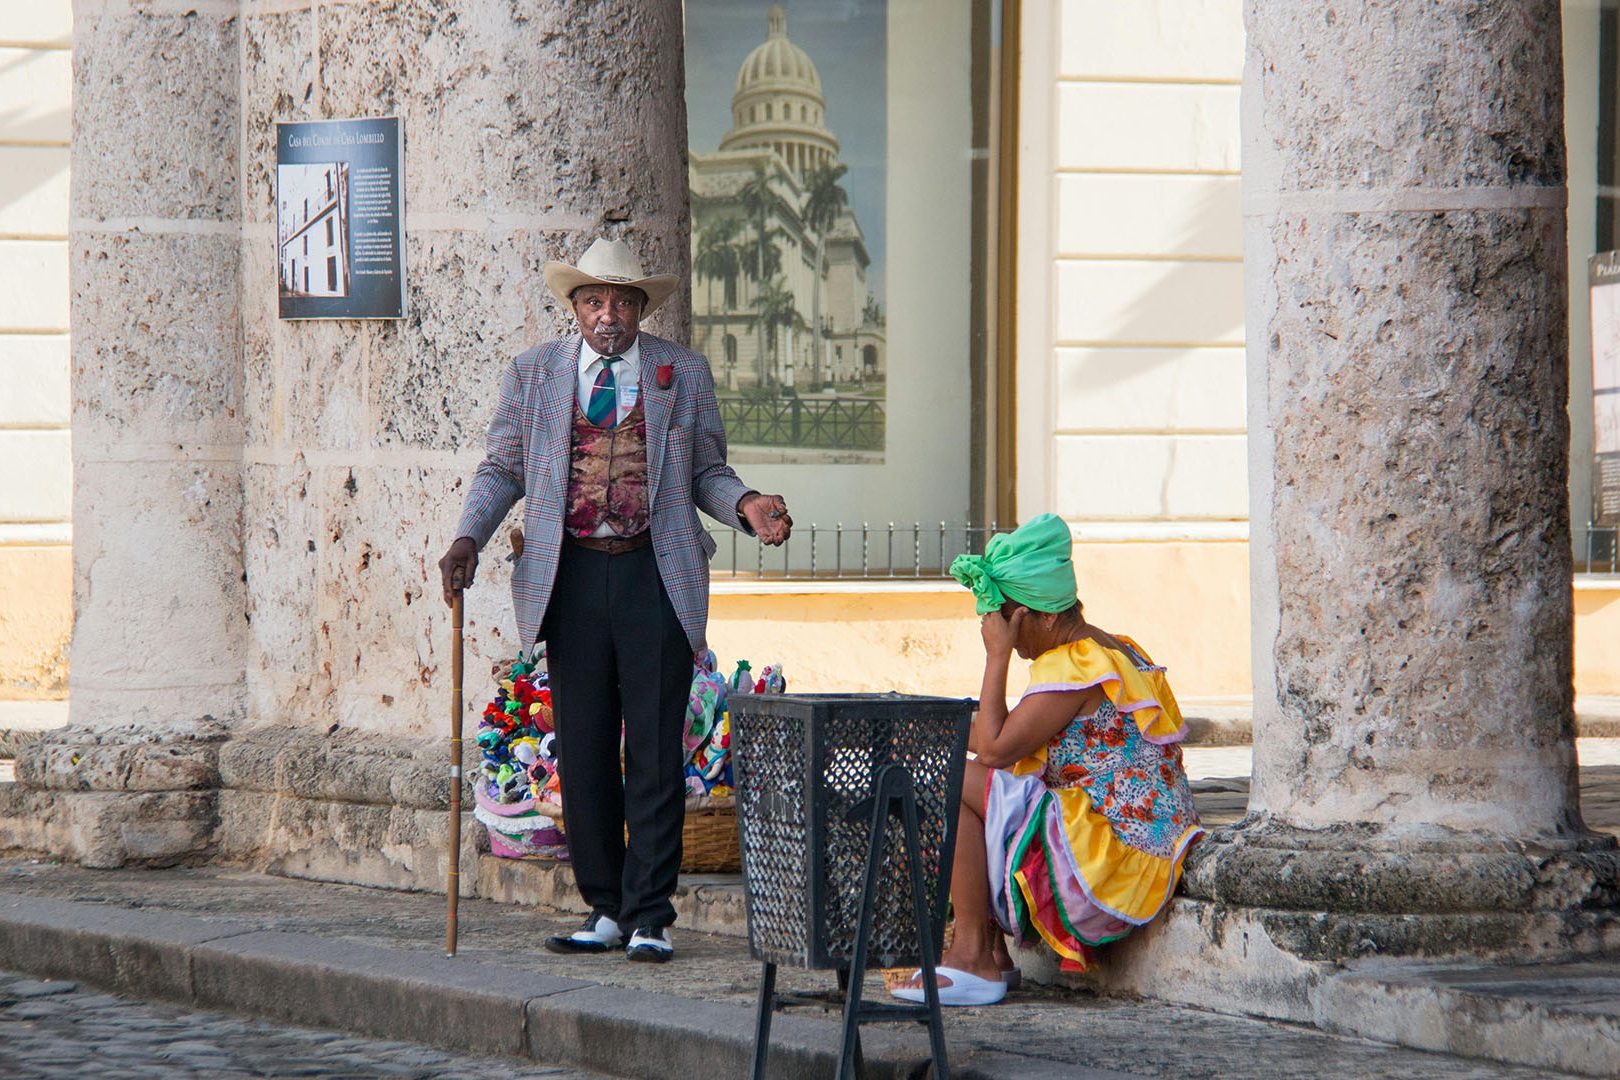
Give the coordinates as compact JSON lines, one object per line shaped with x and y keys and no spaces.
{"x":56,"y":1031}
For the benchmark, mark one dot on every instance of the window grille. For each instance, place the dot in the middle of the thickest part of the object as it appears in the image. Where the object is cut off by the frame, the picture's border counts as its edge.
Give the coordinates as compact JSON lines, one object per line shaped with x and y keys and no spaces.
{"x":1597,"y":549}
{"x":864,"y":551}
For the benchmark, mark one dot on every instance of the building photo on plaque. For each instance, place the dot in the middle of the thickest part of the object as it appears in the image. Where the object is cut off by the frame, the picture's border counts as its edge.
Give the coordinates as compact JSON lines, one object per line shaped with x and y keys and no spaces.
{"x":339,"y":219}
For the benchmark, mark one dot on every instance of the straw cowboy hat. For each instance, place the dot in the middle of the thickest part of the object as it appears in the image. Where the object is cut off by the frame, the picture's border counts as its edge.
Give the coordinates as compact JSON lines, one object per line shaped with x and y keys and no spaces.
{"x":609,"y":262}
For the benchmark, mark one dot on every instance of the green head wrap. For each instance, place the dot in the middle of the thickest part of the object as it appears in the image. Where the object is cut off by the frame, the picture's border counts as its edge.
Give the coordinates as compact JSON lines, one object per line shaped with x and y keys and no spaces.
{"x":1032,"y":565}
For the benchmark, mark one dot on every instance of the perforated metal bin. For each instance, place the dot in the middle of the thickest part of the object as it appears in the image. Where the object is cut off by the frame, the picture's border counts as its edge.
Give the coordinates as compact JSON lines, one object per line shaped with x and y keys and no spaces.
{"x":806,"y":767}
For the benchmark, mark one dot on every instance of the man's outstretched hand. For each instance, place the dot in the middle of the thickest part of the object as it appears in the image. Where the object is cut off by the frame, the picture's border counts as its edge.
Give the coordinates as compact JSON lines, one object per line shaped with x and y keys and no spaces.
{"x":768,"y":516}
{"x":463,"y":554}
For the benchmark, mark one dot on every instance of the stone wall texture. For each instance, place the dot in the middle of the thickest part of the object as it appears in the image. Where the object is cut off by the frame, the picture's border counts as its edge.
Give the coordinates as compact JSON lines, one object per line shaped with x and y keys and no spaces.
{"x":529,"y":128}
{"x":260,"y":505}
{"x":1409,"y":375}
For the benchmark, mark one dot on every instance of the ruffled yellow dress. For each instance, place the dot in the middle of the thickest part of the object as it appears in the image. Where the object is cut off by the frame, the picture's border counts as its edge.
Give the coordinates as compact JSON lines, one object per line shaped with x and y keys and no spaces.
{"x":1086,"y":836}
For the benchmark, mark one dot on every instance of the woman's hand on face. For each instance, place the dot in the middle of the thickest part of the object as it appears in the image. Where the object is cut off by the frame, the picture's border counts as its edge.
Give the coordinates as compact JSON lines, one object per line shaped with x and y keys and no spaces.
{"x":1000,"y":635}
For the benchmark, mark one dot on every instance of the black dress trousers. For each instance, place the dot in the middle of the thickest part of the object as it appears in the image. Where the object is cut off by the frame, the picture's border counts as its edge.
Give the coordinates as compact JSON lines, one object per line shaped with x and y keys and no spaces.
{"x":616,"y":650}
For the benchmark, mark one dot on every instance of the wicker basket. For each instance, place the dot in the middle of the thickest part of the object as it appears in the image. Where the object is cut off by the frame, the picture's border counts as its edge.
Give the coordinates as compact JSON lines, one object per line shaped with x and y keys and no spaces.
{"x":893,"y":977}
{"x":708,"y":838}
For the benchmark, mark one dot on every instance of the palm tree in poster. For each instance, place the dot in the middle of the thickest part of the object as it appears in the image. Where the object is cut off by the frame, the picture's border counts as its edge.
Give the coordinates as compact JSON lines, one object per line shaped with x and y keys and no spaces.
{"x":718,"y":259}
{"x":824,"y":199}
{"x":775,"y":309}
{"x":758,"y":201}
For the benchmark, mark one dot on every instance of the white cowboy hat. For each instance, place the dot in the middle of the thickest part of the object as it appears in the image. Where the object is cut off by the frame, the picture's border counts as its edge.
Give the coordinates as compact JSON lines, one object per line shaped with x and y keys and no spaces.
{"x":609,"y":262}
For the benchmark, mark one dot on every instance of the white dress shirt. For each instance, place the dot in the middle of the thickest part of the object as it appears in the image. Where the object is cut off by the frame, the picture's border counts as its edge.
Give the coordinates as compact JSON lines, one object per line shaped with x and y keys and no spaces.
{"x":626,"y":376}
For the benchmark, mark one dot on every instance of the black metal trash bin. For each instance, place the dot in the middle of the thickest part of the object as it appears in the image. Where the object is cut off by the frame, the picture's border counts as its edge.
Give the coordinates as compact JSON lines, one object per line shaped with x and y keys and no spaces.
{"x":808,"y":769}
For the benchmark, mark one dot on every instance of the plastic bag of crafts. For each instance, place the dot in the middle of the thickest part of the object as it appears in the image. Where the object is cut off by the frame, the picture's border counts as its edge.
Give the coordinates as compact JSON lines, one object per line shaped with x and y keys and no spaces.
{"x":706,"y":705}
{"x":516,"y":783}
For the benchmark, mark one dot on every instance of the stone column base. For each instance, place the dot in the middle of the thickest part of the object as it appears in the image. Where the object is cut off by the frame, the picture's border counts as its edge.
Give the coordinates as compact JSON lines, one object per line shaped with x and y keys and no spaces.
{"x":1270,"y":912}
{"x":346,"y":807}
{"x":129,"y":796}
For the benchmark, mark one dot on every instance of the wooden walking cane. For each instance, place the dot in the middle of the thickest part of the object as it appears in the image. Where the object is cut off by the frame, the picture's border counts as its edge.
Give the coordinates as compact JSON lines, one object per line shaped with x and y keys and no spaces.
{"x":453,"y":888}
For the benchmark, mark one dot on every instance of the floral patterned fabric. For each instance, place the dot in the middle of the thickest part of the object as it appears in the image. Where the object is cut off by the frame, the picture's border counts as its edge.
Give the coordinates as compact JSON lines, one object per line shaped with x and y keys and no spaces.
{"x":1086,"y":836}
{"x":607,"y":478}
{"x":1140,"y":788}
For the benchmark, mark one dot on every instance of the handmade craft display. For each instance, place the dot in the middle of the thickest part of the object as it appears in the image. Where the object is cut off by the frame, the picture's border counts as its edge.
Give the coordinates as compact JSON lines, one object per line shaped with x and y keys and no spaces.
{"x":517,"y":794}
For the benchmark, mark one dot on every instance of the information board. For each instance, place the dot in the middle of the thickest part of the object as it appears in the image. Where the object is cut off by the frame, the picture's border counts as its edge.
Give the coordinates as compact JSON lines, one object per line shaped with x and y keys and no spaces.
{"x":340,"y":209}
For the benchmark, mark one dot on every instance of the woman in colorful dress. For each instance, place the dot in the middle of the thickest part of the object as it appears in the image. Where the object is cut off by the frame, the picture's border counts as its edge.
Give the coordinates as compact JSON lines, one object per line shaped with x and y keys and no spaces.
{"x":1076,"y":815}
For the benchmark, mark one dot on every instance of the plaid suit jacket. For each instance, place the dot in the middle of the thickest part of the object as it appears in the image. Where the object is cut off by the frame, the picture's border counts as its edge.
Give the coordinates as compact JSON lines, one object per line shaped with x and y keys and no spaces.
{"x":527,"y":457}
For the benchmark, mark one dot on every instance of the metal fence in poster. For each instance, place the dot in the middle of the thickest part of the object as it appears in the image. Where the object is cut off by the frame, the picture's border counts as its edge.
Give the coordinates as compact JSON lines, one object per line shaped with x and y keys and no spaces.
{"x":340,"y":250}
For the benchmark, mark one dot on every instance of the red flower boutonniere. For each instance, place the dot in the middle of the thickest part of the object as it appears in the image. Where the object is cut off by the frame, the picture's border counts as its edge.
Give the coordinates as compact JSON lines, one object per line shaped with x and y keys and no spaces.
{"x":666,"y":376}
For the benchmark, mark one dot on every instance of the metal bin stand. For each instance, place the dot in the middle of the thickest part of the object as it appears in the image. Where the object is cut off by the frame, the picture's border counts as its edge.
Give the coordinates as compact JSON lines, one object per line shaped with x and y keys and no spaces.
{"x":846,"y":806}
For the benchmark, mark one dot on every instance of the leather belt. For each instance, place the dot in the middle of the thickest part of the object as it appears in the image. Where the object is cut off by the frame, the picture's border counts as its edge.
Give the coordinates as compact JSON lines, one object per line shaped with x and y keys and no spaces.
{"x":613,"y":545}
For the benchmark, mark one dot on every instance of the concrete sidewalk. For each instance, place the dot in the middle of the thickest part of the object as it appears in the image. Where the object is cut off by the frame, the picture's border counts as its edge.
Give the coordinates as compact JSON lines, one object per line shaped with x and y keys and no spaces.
{"x":371,"y":962}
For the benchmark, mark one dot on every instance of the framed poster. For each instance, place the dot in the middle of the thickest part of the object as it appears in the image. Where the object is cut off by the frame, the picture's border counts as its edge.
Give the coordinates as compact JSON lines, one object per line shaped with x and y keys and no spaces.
{"x":1603,"y":275}
{"x":340,"y":207}
{"x":842,"y":161}
{"x":788,"y":173}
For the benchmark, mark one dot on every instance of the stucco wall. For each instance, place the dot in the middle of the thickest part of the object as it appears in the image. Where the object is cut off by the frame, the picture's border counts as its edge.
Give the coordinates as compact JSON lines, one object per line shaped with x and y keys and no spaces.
{"x":1597,"y":637}
{"x":1130,"y":368}
{"x":35,"y":464}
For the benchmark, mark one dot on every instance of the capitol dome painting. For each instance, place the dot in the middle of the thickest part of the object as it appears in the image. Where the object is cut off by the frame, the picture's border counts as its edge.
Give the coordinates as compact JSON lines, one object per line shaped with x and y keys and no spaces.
{"x":786,"y":287}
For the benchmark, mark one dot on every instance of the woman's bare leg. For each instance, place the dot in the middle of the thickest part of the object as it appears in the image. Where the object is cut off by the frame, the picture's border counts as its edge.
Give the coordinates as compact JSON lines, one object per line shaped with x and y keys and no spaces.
{"x":978,"y":940}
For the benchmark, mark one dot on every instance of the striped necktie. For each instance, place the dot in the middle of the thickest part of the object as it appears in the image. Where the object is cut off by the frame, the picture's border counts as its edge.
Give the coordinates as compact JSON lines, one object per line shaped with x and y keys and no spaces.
{"x":602,"y":410}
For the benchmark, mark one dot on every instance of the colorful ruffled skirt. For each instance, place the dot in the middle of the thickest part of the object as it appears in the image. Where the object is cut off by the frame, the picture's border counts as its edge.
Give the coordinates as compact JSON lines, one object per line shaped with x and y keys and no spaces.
{"x":1058,"y":870}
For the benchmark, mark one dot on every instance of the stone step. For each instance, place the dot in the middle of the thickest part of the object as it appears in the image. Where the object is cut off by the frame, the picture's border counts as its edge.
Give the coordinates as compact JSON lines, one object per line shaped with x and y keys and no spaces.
{"x":1564,"y":1017}
{"x":714,"y":903}
{"x":711,"y":903}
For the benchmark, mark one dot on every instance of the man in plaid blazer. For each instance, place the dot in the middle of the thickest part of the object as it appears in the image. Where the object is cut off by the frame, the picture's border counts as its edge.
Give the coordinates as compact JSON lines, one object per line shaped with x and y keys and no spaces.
{"x":613,"y":438}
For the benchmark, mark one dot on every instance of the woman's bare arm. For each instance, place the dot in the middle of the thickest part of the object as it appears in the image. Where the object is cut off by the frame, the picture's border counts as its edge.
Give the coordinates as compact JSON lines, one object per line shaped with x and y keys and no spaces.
{"x":1001,"y":738}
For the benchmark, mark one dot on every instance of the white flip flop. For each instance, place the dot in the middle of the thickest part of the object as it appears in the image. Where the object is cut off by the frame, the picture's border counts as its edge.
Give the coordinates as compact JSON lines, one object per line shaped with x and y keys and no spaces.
{"x":966,"y":989}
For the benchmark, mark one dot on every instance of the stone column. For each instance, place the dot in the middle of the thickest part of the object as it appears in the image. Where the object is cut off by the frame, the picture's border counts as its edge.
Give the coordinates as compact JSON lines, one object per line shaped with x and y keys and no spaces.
{"x":1414,"y":793}
{"x":530,"y":128}
{"x":1406,"y":293}
{"x":158,"y":640}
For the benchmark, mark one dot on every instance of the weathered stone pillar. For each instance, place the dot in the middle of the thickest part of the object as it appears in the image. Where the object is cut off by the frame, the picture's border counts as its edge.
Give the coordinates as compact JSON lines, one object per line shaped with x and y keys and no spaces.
{"x":158,"y":641}
{"x":529,"y":128}
{"x":1404,"y":191}
{"x":259,"y":504}
{"x":1414,"y":787}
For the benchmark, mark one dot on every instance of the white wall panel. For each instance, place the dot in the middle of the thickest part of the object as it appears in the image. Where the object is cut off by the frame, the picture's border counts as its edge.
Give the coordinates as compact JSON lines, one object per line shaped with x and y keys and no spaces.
{"x":1149,"y":303}
{"x":1197,"y":216}
{"x":1122,"y":477}
{"x":33,"y":285}
{"x":1156,"y":128}
{"x":34,"y":381}
{"x":33,"y":191}
{"x":35,"y":88}
{"x":1152,"y":39}
{"x":36,"y":22}
{"x":1151,"y":390}
{"x":39,"y":476}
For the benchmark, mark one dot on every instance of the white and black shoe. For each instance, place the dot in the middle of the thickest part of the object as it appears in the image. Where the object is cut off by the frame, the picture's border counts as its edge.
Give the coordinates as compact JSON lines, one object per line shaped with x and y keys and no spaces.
{"x":600,"y":934}
{"x":650,"y":945}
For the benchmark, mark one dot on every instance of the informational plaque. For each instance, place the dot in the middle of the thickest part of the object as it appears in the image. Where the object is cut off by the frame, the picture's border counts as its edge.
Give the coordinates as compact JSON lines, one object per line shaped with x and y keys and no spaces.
{"x":1604,"y":275}
{"x":340,"y":209}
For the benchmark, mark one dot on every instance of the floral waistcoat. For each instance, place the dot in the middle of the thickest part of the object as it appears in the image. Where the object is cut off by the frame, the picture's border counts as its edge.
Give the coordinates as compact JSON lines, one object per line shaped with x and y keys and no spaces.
{"x":607,"y":475}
